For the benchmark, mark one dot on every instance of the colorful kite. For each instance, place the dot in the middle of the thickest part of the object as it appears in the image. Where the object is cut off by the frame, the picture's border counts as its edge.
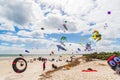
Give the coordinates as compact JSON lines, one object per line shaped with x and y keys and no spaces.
{"x":52,"y":52}
{"x":88,"y":47}
{"x":80,"y":44}
{"x":96,"y":36}
{"x":19,"y":61}
{"x":63,"y":38}
{"x":114,"y":63}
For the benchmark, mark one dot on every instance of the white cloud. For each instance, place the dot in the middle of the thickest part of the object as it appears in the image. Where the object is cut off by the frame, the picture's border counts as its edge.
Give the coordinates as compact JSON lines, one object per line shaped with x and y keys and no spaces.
{"x":24,"y":33}
{"x":18,"y":46}
{"x":19,"y":12}
{"x":51,"y":14}
{"x":11,"y":50}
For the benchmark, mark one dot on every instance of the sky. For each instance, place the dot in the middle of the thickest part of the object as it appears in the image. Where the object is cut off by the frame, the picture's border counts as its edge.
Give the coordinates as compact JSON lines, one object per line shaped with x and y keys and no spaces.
{"x":37,"y":26}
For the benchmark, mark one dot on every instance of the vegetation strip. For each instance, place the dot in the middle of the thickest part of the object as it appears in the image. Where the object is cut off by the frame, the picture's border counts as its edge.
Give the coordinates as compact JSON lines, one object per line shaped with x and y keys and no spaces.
{"x":71,"y":64}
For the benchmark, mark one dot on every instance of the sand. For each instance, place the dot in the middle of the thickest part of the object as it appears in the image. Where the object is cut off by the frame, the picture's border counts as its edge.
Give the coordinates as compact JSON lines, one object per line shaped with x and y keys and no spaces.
{"x":35,"y":71}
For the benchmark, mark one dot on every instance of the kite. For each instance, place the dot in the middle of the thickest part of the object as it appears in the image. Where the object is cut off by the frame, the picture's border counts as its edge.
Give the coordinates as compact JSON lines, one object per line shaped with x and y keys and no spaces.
{"x":42,"y":28}
{"x":96,"y":36}
{"x":82,"y":39}
{"x":80,"y":44}
{"x":91,"y":23}
{"x":60,"y":47}
{"x":65,"y":21}
{"x":62,"y":43}
{"x":52,"y":52}
{"x":114,"y":63}
{"x":63,"y":38}
{"x":64,"y":25}
{"x":105,"y":25}
{"x":27,"y":51}
{"x":109,"y":12}
{"x":22,"y":65}
{"x":88,"y":47}
{"x":78,"y":49}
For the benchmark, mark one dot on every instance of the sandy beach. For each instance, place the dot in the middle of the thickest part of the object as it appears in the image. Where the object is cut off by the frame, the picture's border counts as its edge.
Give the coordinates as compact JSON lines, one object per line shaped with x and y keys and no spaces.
{"x":35,"y":71}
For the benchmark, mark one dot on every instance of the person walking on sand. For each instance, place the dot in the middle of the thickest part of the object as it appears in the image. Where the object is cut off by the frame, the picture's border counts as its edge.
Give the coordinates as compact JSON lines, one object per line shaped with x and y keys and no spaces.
{"x":44,"y":65}
{"x":54,"y":66}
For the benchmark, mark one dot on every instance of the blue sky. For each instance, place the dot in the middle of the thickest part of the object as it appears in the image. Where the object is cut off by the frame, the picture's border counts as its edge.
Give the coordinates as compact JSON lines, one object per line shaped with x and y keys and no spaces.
{"x":72,"y":37}
{"x":21,"y":23}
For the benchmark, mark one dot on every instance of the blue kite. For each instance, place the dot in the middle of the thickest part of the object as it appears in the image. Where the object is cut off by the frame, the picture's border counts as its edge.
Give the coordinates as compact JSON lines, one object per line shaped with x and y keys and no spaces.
{"x":78,"y":49}
{"x":60,"y":47}
{"x":27,"y":51}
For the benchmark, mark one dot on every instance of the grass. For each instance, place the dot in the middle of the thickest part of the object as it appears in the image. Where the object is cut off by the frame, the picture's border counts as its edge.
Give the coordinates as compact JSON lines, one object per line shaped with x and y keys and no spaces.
{"x":101,"y":55}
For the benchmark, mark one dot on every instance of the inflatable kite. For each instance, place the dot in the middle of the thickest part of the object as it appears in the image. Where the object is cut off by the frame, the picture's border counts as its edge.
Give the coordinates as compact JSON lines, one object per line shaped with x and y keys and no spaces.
{"x":60,"y":47}
{"x":64,"y":25}
{"x":27,"y":51}
{"x":62,"y":43}
{"x":105,"y":26}
{"x":52,"y":52}
{"x":63,"y":38}
{"x":91,"y":23}
{"x":96,"y":36}
{"x":42,"y":28}
{"x":19,"y":65}
{"x":65,"y":21}
{"x":109,"y":12}
{"x":80,"y":44}
{"x":88,"y":47}
{"x":114,"y":63}
{"x":78,"y":49}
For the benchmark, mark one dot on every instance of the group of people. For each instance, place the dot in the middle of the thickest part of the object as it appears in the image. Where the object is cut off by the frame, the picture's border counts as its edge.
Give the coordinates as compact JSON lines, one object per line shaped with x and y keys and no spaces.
{"x":44,"y":66}
{"x":53,"y":65}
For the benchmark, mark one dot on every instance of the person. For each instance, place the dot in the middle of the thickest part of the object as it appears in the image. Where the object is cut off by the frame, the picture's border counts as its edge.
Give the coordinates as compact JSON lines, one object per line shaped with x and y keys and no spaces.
{"x":44,"y":65}
{"x":54,"y":66}
{"x":20,"y":55}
